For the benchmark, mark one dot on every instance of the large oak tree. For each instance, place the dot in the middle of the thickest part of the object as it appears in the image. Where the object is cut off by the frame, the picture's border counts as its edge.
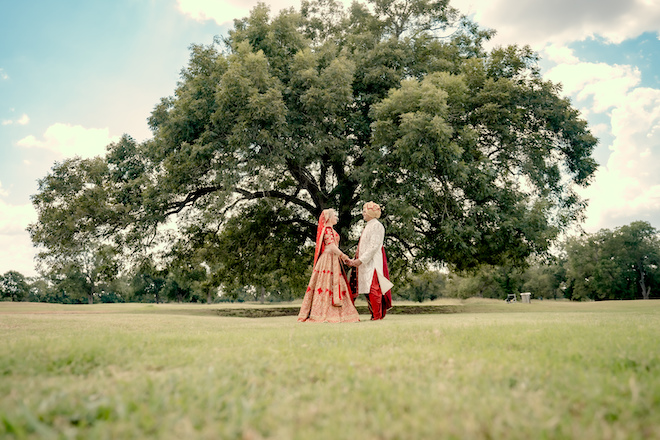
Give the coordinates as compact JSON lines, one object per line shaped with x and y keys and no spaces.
{"x":472,"y":155}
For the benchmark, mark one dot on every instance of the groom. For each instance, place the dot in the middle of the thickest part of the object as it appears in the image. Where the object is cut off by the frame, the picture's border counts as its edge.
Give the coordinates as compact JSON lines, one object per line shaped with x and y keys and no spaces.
{"x":371,"y":264}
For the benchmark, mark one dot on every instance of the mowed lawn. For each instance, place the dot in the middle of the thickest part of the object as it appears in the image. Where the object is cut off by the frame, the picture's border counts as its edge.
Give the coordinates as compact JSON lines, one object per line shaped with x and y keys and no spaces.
{"x":552,"y":370}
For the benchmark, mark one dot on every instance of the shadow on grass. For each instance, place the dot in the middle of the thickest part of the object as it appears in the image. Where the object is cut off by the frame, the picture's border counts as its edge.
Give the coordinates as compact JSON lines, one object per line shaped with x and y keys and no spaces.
{"x":362,"y":310}
{"x":253,"y":310}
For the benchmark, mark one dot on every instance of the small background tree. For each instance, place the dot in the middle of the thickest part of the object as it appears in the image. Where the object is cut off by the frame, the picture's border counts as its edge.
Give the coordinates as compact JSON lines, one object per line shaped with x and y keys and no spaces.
{"x":14,"y":286}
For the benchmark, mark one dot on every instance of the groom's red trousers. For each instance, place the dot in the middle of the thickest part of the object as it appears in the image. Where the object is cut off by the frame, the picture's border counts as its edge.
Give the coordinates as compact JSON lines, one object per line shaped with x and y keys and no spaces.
{"x":375,"y":299}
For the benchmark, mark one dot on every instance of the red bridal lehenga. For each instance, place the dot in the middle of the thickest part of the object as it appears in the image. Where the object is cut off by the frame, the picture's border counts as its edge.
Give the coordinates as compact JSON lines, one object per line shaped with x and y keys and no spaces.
{"x":328,"y":298}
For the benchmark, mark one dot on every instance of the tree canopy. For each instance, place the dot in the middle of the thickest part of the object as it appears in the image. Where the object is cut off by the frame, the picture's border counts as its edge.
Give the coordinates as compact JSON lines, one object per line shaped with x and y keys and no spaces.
{"x":473,"y":157}
{"x":623,"y":263}
{"x":14,"y":286}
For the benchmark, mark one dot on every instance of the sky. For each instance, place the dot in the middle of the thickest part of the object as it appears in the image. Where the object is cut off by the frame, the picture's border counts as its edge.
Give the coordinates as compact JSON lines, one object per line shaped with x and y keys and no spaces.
{"x":77,"y":74}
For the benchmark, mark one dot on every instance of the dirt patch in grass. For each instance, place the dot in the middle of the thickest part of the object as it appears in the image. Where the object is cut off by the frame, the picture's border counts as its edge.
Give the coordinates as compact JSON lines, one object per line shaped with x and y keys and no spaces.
{"x":363,"y":310}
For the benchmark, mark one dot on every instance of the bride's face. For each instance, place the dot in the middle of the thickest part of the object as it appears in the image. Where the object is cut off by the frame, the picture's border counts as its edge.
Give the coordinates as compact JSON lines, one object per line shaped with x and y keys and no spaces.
{"x":333,"y":219}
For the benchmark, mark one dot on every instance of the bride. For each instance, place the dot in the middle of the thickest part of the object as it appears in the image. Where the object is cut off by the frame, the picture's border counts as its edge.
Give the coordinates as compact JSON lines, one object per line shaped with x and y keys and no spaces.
{"x":328,"y":298}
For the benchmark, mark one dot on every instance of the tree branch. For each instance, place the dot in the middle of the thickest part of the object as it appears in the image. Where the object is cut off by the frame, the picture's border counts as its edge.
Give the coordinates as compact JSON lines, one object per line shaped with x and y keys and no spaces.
{"x":276,"y":195}
{"x":306,"y":181}
{"x":191,"y":198}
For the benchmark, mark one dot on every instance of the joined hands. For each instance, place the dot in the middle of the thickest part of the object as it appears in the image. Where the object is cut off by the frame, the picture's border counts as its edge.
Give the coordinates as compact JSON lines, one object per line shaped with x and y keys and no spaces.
{"x":351,"y":262}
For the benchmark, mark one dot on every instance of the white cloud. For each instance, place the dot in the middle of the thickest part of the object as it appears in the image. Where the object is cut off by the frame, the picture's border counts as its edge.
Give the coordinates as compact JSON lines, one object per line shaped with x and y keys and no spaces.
{"x":3,"y":74}
{"x":67,"y":140}
{"x":539,"y":22}
{"x":3,"y":192}
{"x":223,"y":11}
{"x":606,"y":84}
{"x":23,"y":120}
{"x":219,"y":11}
{"x":628,"y":186}
{"x":599,"y":130}
{"x":14,"y":219}
{"x":17,"y":251}
{"x":635,"y":127}
{"x":560,"y":54}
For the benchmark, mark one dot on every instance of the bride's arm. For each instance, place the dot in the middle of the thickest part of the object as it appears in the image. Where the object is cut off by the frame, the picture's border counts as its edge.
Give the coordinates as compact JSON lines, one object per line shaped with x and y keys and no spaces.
{"x":336,"y":251}
{"x":332,"y":247}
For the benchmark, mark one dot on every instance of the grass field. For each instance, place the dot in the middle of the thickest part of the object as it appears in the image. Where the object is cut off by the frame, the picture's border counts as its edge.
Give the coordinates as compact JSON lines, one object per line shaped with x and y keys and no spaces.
{"x":546,"y":370}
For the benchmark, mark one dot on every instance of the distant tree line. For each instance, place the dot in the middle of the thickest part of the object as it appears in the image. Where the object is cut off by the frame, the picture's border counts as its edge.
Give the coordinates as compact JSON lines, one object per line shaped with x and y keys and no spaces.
{"x":623,"y":263}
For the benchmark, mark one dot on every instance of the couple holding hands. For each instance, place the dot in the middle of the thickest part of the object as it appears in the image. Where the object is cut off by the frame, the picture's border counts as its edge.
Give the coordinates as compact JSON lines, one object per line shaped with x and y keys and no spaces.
{"x":330,"y":296}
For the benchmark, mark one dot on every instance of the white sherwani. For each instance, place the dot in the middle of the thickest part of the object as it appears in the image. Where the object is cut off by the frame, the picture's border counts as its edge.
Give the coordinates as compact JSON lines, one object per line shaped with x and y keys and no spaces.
{"x":371,"y":255}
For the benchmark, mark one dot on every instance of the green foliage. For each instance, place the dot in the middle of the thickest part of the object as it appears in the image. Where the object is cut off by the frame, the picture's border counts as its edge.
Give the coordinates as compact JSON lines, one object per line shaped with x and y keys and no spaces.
{"x":147,"y":283}
{"x":473,"y":157}
{"x":619,"y":264}
{"x":486,"y":282}
{"x":75,"y":207}
{"x":543,"y":279}
{"x":451,"y":151}
{"x":39,"y":290}
{"x":608,"y":265}
{"x":82,"y":275}
{"x":14,"y":286}
{"x":267,"y":249}
{"x":420,"y":287}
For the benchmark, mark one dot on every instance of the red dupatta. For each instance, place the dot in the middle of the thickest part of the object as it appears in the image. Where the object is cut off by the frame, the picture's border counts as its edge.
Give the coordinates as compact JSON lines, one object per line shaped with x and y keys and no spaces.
{"x":320,"y":230}
{"x":387,"y":296}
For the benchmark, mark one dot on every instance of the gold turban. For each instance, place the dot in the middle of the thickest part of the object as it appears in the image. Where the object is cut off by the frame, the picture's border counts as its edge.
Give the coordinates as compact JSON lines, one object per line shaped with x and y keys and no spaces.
{"x":372,"y":209}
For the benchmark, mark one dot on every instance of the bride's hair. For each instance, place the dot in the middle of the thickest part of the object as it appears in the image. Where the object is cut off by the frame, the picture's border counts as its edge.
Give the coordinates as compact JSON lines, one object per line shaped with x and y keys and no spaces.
{"x":327,"y":213}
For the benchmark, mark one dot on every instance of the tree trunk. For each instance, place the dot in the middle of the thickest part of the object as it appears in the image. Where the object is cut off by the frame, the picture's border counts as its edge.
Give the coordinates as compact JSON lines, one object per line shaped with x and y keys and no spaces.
{"x":92,"y":287}
{"x":645,"y":291}
{"x":208,"y":297}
